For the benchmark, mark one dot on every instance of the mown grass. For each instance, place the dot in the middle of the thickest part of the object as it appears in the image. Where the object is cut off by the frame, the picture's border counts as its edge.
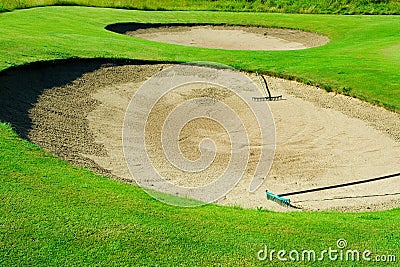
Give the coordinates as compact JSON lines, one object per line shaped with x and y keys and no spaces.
{"x":373,"y":7}
{"x":52,"y":213}
{"x":362,"y":58}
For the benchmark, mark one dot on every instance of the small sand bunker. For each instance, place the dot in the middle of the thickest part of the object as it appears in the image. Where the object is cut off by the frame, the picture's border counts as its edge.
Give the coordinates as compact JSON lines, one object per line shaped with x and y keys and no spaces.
{"x":76,"y":110}
{"x":224,"y":37}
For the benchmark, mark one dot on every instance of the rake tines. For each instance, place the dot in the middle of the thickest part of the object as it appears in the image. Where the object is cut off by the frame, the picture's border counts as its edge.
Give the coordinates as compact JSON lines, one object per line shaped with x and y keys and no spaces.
{"x":267,"y":98}
{"x":280,"y":200}
{"x":264,"y":86}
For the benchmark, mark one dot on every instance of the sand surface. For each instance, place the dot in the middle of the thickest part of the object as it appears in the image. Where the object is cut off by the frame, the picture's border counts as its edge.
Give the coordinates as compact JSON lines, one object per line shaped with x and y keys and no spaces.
{"x":322,"y":138}
{"x":227,"y":37}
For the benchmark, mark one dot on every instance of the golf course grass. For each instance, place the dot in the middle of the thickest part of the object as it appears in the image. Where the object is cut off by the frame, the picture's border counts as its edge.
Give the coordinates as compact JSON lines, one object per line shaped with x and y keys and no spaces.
{"x":348,"y":7}
{"x":362,"y":58}
{"x":52,"y":213}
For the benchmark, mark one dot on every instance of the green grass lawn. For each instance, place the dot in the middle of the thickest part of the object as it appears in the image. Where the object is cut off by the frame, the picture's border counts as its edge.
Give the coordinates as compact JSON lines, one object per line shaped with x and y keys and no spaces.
{"x":362,"y":58}
{"x":386,"y":7}
{"x":54,"y":214}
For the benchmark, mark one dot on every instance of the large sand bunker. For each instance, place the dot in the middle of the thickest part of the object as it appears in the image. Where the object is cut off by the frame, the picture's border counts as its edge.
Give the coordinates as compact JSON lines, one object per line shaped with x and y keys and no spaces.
{"x":76,"y":110}
{"x":223,"y":36}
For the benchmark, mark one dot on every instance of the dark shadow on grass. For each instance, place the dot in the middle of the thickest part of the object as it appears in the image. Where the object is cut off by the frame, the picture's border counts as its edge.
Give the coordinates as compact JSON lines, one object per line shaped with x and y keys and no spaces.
{"x":124,"y":27}
{"x":21,"y":86}
{"x":41,"y":106}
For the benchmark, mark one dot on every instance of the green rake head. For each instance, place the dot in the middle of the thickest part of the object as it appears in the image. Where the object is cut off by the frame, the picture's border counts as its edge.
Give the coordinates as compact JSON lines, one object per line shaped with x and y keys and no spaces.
{"x":280,"y":200}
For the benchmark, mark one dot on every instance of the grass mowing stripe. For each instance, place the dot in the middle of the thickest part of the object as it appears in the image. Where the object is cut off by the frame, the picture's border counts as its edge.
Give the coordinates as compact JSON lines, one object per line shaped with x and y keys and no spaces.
{"x":282,"y":6}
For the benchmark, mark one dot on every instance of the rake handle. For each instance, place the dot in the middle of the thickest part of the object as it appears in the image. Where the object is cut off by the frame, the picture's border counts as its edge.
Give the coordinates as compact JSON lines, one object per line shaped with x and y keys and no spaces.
{"x":338,"y":186}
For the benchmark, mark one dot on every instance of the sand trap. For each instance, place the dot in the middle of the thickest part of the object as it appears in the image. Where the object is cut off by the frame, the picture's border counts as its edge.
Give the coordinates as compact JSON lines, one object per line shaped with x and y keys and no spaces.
{"x":322,"y":138}
{"x":224,"y":37}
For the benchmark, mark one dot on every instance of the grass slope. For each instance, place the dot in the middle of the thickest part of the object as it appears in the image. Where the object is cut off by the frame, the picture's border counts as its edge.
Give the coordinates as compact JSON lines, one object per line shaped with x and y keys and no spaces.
{"x":54,"y":214}
{"x":362,"y":58}
{"x":373,"y":7}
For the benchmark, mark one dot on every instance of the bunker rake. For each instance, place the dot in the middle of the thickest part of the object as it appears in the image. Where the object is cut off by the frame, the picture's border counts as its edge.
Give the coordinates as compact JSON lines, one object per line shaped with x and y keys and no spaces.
{"x":267,"y":92}
{"x":286,"y":201}
{"x":278,"y":199}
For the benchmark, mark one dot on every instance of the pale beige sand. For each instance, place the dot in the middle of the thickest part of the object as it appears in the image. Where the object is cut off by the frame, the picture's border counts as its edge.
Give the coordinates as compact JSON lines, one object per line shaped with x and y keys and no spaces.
{"x":322,"y":138}
{"x":232,"y":37}
{"x":317,"y":145}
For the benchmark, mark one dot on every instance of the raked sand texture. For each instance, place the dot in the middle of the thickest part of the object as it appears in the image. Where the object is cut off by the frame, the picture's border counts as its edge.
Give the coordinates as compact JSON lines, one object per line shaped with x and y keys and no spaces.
{"x":322,"y":139}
